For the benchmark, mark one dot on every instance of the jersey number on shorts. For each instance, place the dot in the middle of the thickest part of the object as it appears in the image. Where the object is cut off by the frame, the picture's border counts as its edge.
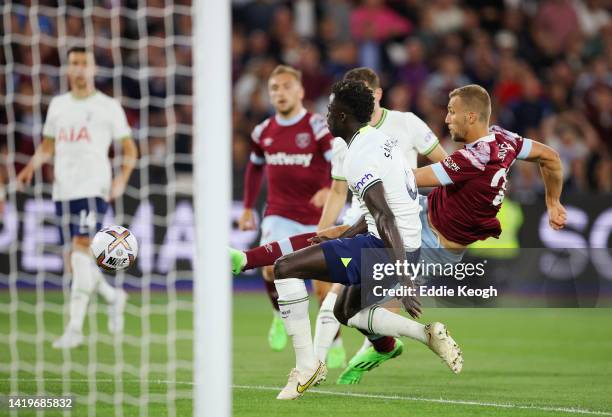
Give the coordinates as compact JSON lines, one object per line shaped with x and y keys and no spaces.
{"x":499,"y":176}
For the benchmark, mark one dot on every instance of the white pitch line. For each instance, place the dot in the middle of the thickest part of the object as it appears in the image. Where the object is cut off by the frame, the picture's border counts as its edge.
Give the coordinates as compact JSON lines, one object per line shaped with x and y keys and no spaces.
{"x":569,"y":410}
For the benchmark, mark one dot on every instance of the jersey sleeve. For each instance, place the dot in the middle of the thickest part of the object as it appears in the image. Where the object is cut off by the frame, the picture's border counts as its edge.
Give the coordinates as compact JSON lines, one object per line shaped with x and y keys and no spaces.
{"x":257,"y":154}
{"x":522,"y":146}
{"x":423,"y":138}
{"x":120,"y":127}
{"x":463,"y":164}
{"x":339,"y":149}
{"x":322,"y":135}
{"x":50,"y":125}
{"x":362,"y":174}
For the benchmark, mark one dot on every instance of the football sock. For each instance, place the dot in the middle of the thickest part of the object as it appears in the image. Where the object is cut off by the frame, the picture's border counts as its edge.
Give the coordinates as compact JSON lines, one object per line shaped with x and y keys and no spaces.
{"x":265,"y":255}
{"x":327,"y":327}
{"x":83,"y":284}
{"x":365,"y":346}
{"x":293,"y":302}
{"x":272,"y":294}
{"x":104,"y":288}
{"x":377,"y":320}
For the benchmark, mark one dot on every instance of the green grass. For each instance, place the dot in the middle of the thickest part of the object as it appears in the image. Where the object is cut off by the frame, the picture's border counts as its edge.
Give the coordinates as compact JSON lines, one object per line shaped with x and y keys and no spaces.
{"x":539,"y":358}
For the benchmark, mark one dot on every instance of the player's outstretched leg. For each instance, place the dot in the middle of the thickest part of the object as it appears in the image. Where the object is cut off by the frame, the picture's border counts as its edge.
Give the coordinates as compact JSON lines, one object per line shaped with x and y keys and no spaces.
{"x":289,"y":273}
{"x":378,"y":320}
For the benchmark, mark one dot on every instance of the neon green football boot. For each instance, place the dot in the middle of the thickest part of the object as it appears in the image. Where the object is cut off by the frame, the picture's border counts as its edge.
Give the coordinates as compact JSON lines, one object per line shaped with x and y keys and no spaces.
{"x":277,"y":336}
{"x":366,"y":361}
{"x":237,"y":259}
{"x":336,"y":357}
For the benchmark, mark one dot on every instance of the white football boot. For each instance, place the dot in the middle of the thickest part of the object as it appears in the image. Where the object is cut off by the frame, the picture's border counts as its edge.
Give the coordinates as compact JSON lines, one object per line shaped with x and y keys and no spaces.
{"x":115,"y":312}
{"x":69,"y":340}
{"x":300,"y":382}
{"x":443,"y":345}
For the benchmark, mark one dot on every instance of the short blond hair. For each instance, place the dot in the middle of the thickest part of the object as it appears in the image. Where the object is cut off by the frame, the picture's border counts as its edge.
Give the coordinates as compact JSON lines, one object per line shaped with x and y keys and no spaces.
{"x":475,"y":98}
{"x":286,"y":69}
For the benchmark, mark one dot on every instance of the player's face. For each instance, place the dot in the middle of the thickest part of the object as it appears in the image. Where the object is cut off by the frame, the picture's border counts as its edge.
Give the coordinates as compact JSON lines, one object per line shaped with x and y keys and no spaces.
{"x":81,"y":69}
{"x":334,"y":119}
{"x":286,"y":92}
{"x":456,"y":120}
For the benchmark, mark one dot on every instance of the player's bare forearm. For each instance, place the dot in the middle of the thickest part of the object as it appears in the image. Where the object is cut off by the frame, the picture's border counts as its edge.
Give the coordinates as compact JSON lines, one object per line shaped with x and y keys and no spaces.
{"x":130,"y":156}
{"x":333,"y":205}
{"x":357,"y":228}
{"x":385,"y":221}
{"x":425,"y":177}
{"x":43,"y":153}
{"x":550,"y":168}
{"x":437,"y":154}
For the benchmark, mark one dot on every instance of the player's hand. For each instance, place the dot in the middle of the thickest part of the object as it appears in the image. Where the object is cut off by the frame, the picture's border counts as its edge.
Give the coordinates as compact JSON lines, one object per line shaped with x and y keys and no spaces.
{"x":411,"y":303}
{"x":1,"y":208}
{"x":118,"y":187}
{"x":315,"y":240}
{"x":25,"y":177}
{"x":247,"y":220}
{"x":557,"y":216}
{"x":318,"y":200}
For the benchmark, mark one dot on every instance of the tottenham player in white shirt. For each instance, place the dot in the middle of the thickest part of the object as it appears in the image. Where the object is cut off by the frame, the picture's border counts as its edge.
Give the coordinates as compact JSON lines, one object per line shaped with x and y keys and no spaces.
{"x":78,"y":132}
{"x":387,"y":191}
{"x":414,"y":137}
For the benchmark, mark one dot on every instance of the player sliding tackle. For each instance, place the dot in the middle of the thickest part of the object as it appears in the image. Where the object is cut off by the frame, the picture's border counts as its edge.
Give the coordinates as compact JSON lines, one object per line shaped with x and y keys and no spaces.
{"x":470,"y":188}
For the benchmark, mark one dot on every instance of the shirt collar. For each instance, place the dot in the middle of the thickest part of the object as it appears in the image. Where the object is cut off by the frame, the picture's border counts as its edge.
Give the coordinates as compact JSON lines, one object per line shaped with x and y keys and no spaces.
{"x":292,"y":121}
{"x":489,"y":138}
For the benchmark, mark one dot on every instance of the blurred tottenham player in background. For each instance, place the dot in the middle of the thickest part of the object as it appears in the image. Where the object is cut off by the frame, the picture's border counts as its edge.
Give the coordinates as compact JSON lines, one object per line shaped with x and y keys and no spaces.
{"x":78,"y":132}
{"x":294,"y":147}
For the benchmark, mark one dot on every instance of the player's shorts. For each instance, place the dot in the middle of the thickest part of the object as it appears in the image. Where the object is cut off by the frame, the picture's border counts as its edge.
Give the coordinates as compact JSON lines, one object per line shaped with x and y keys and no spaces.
{"x":431,"y":250}
{"x":275,"y":228}
{"x":81,"y":217}
{"x":344,"y":257}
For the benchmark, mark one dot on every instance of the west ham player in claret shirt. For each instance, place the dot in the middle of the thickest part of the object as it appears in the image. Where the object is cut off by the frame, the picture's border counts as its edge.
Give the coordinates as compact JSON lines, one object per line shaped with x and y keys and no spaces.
{"x":293,"y":149}
{"x":78,"y":132}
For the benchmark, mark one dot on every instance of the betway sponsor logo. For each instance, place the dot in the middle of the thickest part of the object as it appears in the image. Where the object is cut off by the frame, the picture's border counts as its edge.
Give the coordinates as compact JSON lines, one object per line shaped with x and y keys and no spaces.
{"x":363,"y":181}
{"x":282,"y":158}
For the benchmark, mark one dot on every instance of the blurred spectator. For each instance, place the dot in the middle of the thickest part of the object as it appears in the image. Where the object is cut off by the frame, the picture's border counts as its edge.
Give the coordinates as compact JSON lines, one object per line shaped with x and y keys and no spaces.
{"x":529,"y":110}
{"x":374,"y":21}
{"x":448,"y":77}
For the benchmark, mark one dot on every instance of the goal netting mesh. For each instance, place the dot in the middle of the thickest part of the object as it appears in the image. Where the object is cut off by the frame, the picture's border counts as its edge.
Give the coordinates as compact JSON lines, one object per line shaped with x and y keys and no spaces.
{"x":143,"y":54}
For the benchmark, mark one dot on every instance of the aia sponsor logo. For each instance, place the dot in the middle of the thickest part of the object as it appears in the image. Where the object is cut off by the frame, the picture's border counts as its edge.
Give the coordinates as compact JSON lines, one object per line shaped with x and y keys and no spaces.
{"x":363,"y":181}
{"x":450,"y":164}
{"x":73,"y":135}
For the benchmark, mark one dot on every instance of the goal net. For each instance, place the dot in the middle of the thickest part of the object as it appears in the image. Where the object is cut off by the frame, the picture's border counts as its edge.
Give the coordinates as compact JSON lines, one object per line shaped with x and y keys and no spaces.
{"x":143,"y":56}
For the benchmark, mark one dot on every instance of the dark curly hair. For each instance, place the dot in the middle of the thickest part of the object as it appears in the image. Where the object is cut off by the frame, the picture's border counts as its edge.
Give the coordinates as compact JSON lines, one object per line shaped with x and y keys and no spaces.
{"x":356,"y":97}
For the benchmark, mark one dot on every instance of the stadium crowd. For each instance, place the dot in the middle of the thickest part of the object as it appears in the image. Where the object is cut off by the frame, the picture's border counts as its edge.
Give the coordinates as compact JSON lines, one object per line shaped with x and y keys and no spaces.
{"x":547,"y":64}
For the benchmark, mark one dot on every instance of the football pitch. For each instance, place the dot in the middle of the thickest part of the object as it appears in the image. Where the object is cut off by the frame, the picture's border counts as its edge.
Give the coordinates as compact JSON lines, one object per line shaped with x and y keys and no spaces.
{"x":518,"y":362}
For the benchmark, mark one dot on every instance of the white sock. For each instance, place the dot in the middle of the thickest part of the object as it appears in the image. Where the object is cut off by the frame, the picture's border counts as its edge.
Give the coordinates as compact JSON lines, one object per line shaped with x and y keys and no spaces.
{"x":378,"y":320}
{"x":326,"y":328}
{"x":83,"y":284}
{"x":293,"y":303}
{"x":107,"y":291}
{"x":365,"y":346}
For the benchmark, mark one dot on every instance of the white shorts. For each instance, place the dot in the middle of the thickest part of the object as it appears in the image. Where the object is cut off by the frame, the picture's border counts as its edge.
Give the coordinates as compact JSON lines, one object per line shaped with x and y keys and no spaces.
{"x":275,"y":228}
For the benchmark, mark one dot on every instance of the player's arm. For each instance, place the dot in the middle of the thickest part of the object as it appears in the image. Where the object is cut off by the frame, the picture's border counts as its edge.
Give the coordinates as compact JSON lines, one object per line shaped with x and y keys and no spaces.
{"x":374,"y":198}
{"x":552,"y":175}
{"x":43,"y":154}
{"x":426,"y":177}
{"x":129,"y":156}
{"x":334,"y":203}
{"x":436,"y":154}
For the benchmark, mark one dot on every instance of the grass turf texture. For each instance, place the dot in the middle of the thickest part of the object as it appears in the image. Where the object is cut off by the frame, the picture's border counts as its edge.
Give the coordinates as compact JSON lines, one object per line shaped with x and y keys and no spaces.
{"x":536,"y":358}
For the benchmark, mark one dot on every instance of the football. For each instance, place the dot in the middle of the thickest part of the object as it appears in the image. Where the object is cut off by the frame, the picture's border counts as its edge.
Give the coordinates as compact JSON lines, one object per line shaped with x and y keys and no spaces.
{"x":114,"y":248}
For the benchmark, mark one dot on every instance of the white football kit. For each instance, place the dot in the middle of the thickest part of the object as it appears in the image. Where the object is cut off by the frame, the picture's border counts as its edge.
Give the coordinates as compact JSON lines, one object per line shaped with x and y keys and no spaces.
{"x":413,"y":137}
{"x":83,"y":130}
{"x":373,"y":157}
